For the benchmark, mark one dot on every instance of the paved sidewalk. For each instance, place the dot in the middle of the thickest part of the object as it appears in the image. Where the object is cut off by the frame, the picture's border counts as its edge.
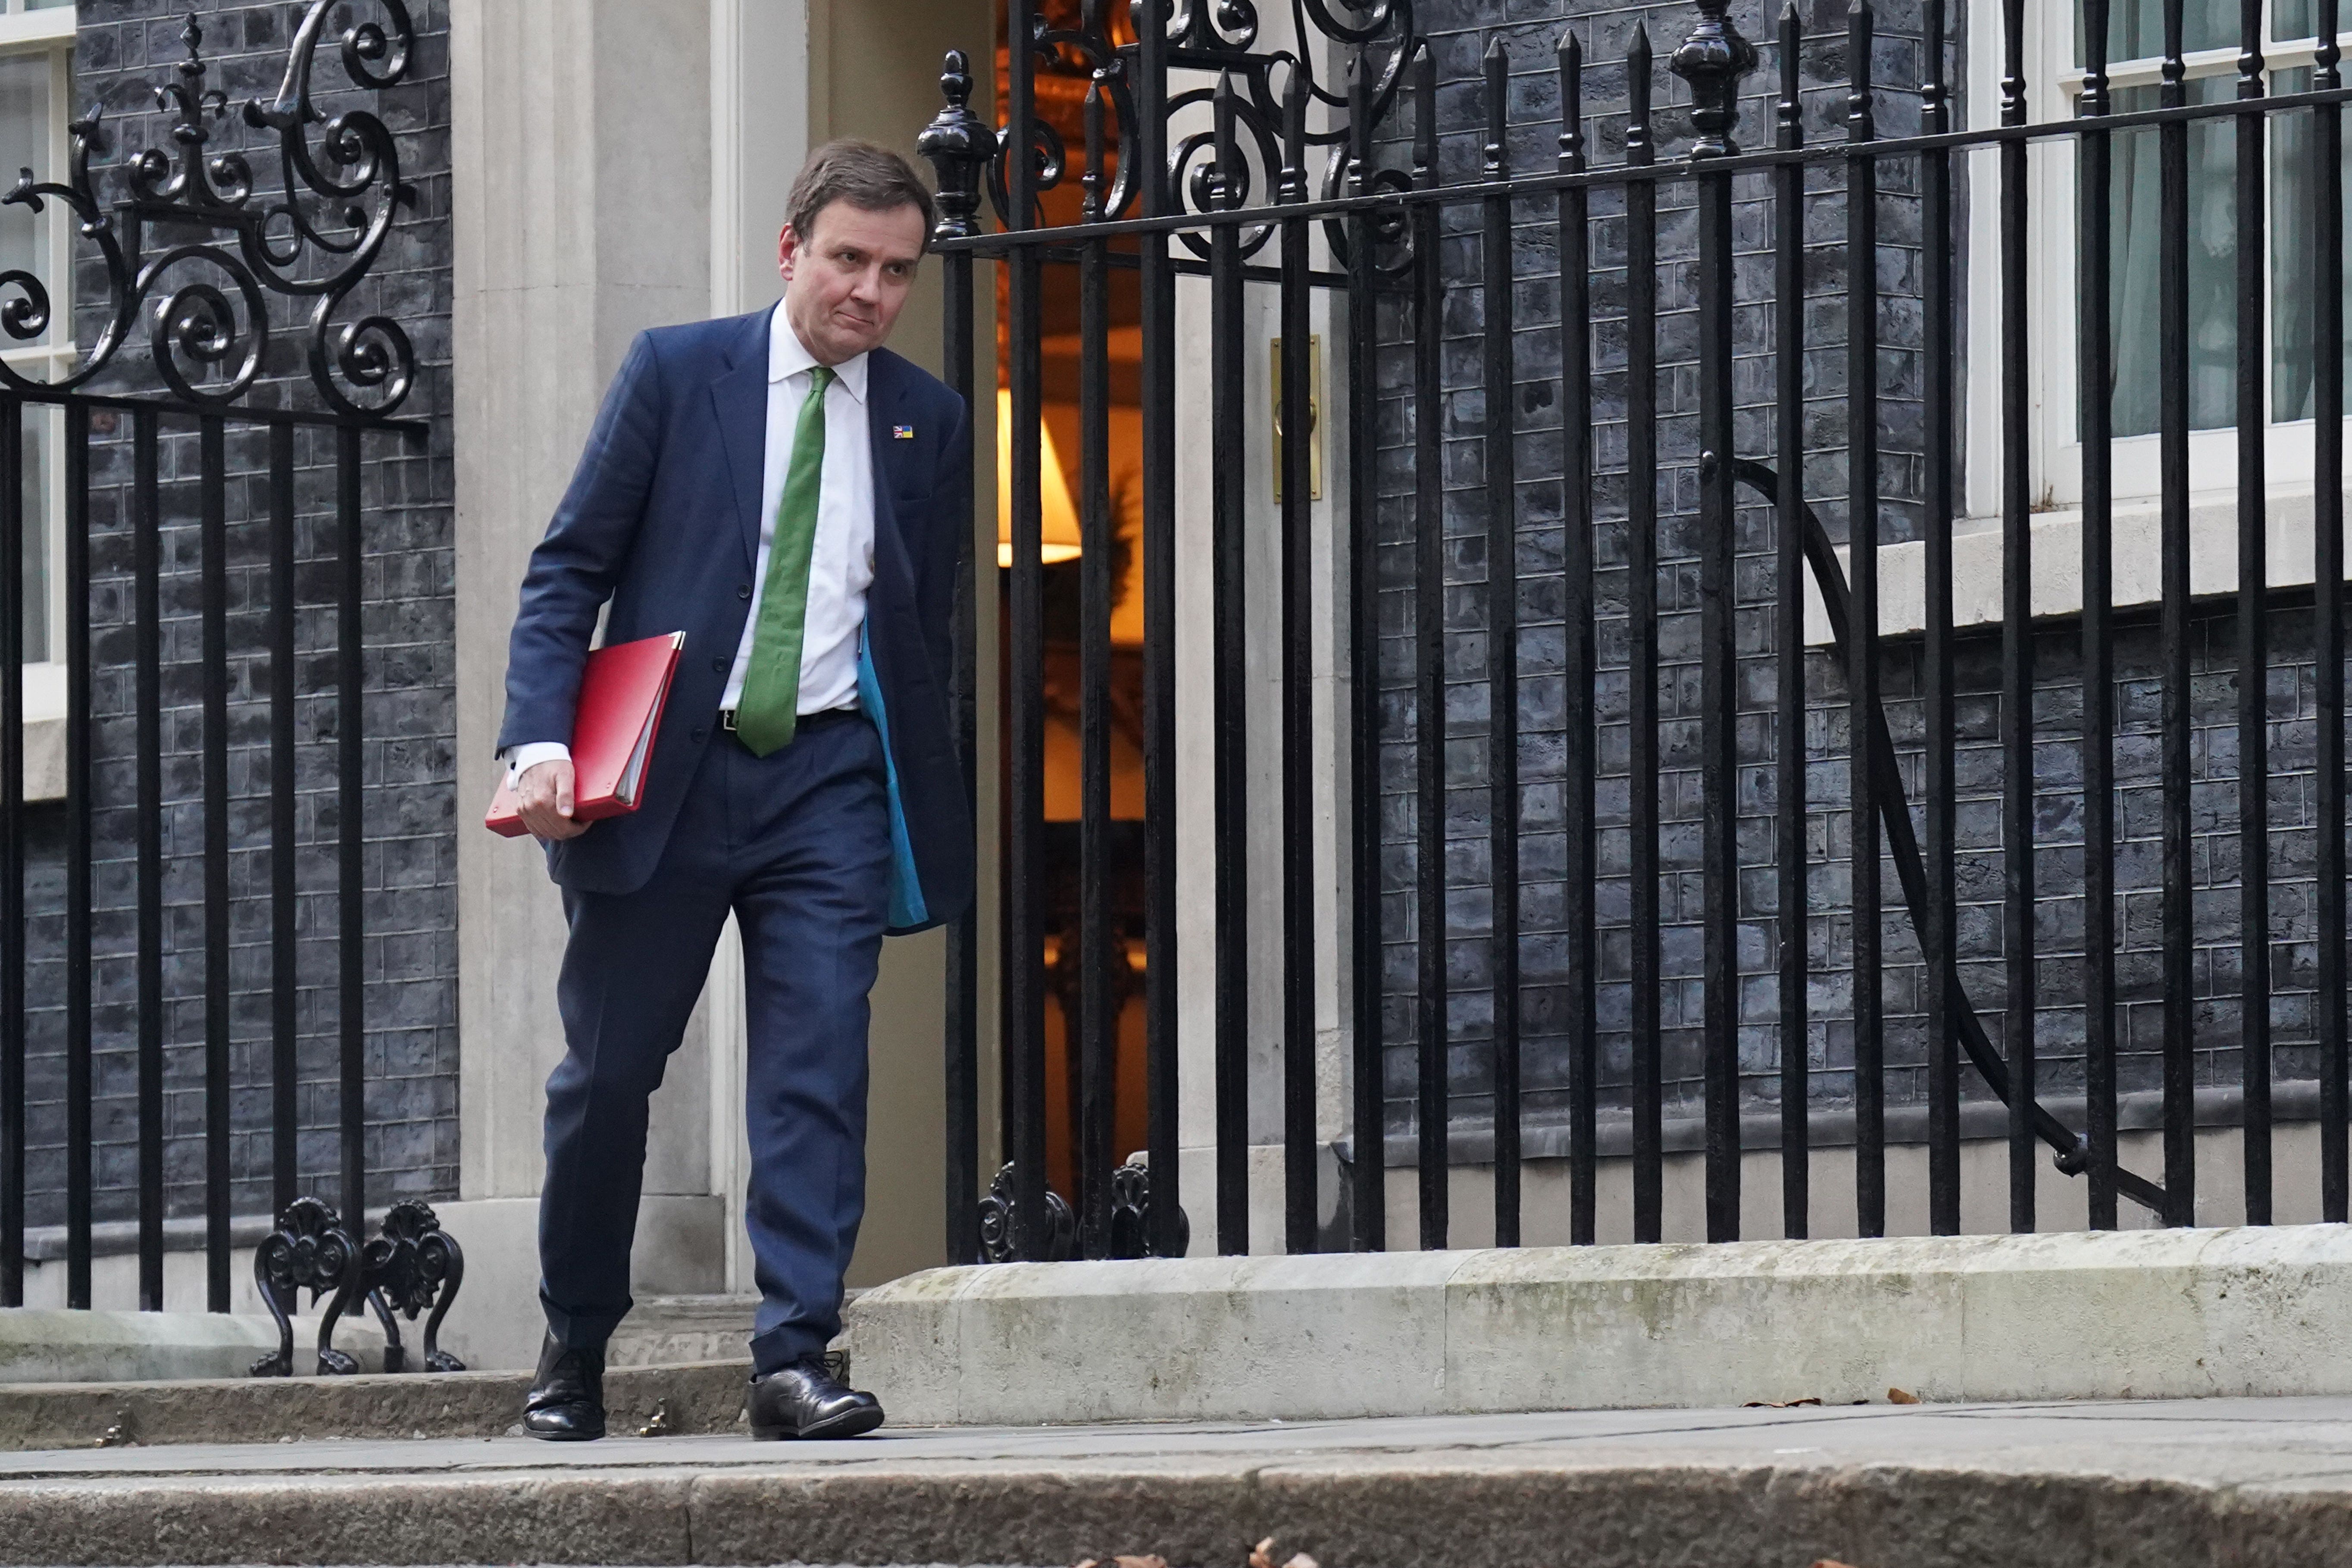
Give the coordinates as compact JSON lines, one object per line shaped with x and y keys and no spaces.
{"x":2236,"y":1481}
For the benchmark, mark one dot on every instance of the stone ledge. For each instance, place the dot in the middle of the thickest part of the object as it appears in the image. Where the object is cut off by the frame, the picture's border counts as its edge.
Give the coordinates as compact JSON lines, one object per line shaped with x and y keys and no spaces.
{"x":1405,"y":1513}
{"x":48,"y":1345}
{"x":705,"y":1397}
{"x":2146,"y":1315}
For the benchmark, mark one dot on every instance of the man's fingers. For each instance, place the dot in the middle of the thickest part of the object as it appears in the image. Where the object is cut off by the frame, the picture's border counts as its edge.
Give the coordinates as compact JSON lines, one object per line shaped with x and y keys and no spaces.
{"x":563,"y":790}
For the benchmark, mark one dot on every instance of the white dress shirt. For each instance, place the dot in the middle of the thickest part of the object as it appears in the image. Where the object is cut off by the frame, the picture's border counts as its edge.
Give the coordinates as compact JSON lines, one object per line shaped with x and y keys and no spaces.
{"x":841,"y":562}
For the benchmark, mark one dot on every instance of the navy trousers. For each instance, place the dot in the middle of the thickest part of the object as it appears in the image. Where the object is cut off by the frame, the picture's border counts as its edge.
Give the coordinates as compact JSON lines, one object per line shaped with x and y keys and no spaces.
{"x":797,"y":845}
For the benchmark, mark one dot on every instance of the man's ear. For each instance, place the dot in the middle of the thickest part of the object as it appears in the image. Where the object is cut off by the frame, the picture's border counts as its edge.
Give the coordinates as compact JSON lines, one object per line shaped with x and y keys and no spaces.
{"x":788,"y":246}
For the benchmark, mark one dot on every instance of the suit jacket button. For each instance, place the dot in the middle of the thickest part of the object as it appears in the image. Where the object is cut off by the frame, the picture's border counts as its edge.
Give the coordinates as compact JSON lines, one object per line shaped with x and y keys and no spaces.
{"x":697,"y":736}
{"x":718,"y":667}
{"x":742,"y":590}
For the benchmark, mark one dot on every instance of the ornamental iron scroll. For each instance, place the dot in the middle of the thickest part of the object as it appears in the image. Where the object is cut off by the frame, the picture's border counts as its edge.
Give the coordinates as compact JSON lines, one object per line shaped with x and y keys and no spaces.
{"x":414,"y":1267}
{"x":1216,"y":42}
{"x":996,"y":1228}
{"x":310,"y":1250}
{"x":316,"y":241}
{"x":1131,"y":1213}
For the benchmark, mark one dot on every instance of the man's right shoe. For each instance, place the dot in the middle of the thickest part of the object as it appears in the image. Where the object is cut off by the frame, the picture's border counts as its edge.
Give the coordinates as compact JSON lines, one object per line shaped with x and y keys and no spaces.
{"x":806,"y":1401}
{"x":566,"y":1404}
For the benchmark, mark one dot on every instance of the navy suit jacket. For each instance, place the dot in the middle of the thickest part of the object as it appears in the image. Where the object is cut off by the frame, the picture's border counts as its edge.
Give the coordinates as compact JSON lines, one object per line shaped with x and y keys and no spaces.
{"x":663,"y":520}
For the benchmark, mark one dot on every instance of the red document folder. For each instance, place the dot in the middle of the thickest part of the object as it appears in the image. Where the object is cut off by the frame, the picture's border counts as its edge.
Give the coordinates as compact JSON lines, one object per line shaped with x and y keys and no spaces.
{"x":621,"y":695}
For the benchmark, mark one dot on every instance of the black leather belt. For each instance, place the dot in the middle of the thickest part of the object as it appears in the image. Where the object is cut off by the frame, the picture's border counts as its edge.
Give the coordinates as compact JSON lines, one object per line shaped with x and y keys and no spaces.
{"x":802,"y":725}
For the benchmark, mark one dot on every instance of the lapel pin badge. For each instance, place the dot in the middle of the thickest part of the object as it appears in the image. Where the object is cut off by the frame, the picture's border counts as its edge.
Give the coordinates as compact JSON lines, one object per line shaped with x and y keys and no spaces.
{"x":903,"y":432}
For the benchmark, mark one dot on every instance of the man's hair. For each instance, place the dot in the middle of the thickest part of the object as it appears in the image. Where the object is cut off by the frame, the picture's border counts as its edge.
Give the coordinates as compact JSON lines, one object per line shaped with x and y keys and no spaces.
{"x":864,"y":175}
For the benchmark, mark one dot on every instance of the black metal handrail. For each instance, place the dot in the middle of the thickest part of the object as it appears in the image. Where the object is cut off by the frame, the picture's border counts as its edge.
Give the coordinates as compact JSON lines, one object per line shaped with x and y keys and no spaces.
{"x":2071,"y":1150}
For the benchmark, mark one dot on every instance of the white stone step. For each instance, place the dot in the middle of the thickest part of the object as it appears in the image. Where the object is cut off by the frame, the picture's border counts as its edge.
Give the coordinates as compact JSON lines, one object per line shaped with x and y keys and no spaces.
{"x":675,"y":1331}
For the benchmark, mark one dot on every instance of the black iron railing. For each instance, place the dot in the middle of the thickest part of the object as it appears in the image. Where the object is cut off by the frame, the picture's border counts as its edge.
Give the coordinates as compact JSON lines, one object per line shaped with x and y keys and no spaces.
{"x":226,"y":250}
{"x":1179,"y":202}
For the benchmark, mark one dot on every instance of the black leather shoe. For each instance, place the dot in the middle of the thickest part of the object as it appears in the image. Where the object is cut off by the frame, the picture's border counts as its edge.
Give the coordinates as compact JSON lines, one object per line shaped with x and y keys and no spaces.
{"x":804,"y":1400}
{"x":566,"y":1404}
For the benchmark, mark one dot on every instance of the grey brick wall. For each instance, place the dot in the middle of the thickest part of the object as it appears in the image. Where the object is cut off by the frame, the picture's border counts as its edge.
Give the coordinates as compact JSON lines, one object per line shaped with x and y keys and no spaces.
{"x":1460,"y":31}
{"x":124,"y":48}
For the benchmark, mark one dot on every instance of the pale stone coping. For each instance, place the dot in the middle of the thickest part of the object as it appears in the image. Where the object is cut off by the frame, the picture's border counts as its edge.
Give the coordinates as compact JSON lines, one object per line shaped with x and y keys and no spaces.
{"x":49,"y":1345}
{"x":2056,"y":543}
{"x":2153,"y":1314}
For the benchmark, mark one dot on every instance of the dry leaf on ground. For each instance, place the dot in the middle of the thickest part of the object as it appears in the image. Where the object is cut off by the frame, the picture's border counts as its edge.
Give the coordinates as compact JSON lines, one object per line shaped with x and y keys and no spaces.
{"x":1901,"y":1397}
{"x":1262,"y":1556}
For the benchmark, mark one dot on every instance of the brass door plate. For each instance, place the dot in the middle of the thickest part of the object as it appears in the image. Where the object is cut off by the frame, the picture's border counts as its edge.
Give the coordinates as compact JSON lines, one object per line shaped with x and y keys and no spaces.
{"x":1314,"y":417}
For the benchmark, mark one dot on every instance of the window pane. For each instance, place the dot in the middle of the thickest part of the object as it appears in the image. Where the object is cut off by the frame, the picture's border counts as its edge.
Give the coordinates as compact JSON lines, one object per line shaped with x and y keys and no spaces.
{"x":37,"y":425}
{"x":46,"y":4}
{"x":2135,"y":28}
{"x":2294,"y":212}
{"x":2294,"y":19}
{"x":24,"y":144}
{"x":2132,"y":208}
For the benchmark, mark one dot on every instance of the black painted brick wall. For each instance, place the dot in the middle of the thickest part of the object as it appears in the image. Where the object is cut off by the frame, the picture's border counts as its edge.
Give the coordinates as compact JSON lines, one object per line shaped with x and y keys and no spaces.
{"x":1460,"y":32}
{"x":124,"y":48}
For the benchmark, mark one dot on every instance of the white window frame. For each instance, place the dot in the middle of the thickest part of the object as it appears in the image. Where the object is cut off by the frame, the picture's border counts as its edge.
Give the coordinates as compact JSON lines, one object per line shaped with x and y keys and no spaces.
{"x":2054,"y":82}
{"x":47,"y":31}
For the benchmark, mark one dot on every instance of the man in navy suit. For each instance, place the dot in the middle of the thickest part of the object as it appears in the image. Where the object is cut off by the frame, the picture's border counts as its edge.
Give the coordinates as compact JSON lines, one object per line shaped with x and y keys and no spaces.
{"x":789,"y":494}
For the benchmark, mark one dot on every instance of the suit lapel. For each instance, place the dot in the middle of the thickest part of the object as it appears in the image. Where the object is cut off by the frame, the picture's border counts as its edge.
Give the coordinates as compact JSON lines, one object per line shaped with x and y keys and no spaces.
{"x":741,"y":399}
{"x":882,"y":389}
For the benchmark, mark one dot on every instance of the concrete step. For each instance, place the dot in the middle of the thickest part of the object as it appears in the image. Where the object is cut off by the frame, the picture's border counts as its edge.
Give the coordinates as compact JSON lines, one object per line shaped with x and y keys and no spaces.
{"x":705,"y":1397}
{"x":2149,"y":1314}
{"x":2187,"y":1484}
{"x":672,"y":1331}
{"x":677,"y":1331}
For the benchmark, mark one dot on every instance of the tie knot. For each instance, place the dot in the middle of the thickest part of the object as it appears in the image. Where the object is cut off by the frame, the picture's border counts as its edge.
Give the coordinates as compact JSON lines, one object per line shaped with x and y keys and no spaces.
{"x":820,"y":377}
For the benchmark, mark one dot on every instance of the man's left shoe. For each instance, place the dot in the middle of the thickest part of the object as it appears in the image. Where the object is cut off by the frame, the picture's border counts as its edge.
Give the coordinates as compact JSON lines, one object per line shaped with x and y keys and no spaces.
{"x":566,"y":1403}
{"x":806,"y":1401}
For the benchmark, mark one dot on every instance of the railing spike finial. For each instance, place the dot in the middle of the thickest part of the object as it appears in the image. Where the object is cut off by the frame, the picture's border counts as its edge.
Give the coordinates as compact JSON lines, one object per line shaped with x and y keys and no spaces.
{"x":1790,"y":113}
{"x":1571,"y":102}
{"x":1861,"y":123}
{"x":1713,"y":59}
{"x":1639,"y":148}
{"x":957,"y":145}
{"x":1498,"y":88}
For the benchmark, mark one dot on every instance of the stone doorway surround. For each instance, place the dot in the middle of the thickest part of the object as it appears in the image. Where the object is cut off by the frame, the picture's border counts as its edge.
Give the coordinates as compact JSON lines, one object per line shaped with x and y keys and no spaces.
{"x":618,"y":166}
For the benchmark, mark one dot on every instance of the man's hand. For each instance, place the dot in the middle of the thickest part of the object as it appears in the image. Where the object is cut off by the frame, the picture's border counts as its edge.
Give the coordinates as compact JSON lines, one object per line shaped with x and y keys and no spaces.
{"x":544,"y":796}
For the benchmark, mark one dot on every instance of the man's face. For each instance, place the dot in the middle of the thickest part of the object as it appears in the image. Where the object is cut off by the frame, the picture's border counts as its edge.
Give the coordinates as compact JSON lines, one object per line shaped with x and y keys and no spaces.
{"x":846,"y":281}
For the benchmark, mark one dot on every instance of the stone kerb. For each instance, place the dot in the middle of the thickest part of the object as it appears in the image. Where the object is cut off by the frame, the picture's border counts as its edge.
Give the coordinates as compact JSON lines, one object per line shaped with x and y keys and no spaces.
{"x":2149,"y":1314}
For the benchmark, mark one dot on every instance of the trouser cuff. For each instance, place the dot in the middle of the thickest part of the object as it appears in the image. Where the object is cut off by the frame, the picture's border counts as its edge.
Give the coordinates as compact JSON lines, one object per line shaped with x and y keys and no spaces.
{"x":579,"y":1331}
{"x":781,"y":1346}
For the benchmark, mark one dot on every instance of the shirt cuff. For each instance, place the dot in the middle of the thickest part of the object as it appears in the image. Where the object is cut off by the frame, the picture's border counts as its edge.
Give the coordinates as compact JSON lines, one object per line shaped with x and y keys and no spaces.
{"x":520,"y":760}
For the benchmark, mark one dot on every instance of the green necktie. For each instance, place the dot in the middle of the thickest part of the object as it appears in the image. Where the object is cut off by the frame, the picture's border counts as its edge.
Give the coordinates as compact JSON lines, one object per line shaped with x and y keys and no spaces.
{"x":768,"y":710}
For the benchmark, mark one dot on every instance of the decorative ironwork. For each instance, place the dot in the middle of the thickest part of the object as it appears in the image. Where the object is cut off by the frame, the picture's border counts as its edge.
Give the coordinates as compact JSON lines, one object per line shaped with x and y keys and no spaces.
{"x":1131,"y":1213}
{"x":310,"y":1251}
{"x":996,"y":1223}
{"x":1216,"y":38}
{"x":411,"y":1267}
{"x":414,"y":1267}
{"x":1713,"y":59}
{"x":957,"y":145}
{"x":316,"y":242}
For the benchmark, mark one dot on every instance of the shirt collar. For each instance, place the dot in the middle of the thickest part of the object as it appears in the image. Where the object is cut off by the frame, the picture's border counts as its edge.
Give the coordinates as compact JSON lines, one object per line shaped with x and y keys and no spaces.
{"x":787,"y":357}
